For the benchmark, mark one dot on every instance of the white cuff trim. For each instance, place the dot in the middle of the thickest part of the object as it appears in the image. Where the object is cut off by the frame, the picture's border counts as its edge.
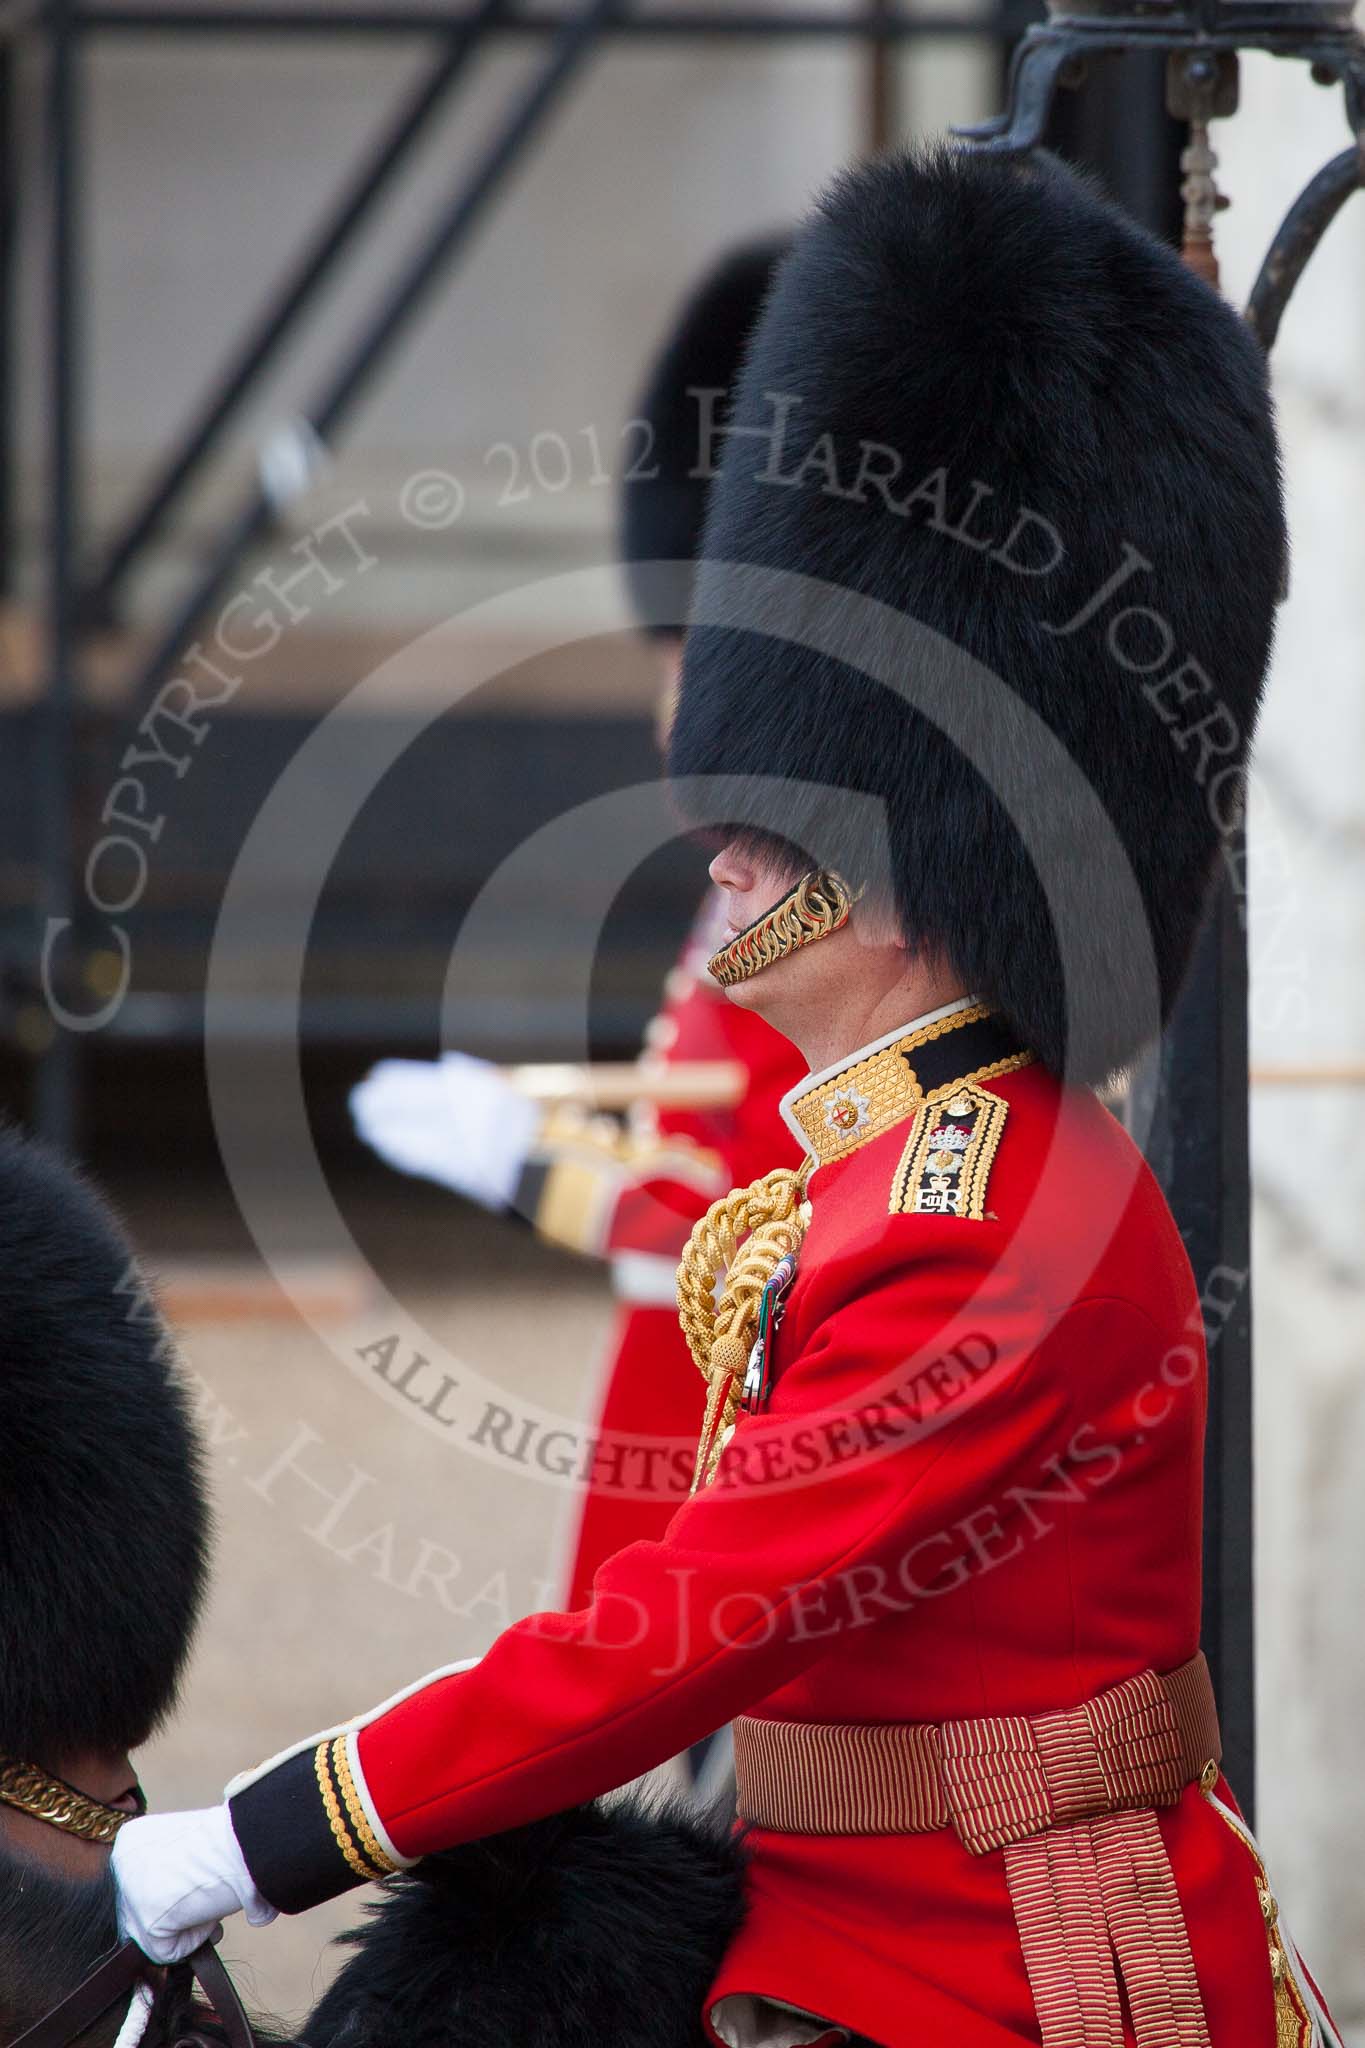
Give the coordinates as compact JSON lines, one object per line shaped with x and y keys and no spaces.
{"x":381,"y":1833}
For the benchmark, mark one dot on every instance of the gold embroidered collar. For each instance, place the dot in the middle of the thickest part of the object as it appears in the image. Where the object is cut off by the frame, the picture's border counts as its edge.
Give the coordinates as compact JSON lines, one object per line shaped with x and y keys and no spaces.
{"x":836,"y":1112}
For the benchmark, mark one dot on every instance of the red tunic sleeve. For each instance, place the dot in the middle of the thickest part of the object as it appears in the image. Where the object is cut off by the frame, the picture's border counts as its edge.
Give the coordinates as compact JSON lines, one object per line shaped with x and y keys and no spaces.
{"x":920,"y":1385}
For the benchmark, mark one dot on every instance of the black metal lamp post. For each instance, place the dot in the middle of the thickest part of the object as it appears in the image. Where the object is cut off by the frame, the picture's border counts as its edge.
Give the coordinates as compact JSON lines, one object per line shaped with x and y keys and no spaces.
{"x":1201,"y":42}
{"x":1198,"y":1139}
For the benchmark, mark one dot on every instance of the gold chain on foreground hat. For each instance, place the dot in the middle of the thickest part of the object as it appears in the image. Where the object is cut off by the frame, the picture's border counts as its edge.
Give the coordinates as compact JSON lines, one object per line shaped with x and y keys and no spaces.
{"x":817,"y":906}
{"x":720,"y":1321}
{"x":31,"y":1790}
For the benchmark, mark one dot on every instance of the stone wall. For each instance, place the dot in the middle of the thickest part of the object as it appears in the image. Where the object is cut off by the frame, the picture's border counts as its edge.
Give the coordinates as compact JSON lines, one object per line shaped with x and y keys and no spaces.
{"x":1308,"y":1011}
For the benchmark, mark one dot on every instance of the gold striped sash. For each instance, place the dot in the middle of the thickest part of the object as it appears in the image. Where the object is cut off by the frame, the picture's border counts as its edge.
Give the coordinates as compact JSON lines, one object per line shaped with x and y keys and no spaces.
{"x":1069,"y":1798}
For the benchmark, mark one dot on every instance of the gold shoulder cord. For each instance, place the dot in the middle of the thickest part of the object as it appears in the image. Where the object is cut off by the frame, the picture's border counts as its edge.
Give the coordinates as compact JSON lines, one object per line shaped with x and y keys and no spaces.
{"x":729,"y":1259}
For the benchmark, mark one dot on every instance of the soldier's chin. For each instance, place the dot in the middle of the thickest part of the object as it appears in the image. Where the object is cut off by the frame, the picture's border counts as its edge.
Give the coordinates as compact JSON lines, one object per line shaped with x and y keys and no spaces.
{"x":747,"y":995}
{"x":773,"y":991}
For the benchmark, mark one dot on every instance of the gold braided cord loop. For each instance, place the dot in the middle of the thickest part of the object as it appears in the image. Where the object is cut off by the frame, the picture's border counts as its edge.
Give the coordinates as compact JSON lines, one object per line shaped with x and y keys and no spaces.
{"x":729,"y":1259}
{"x":361,"y":1830}
{"x":331,"y":1806}
{"x":31,"y":1790}
{"x":818,"y":905}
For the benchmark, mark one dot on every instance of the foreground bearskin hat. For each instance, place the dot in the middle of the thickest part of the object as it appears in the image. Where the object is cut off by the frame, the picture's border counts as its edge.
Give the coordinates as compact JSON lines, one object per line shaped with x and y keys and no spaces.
{"x":103,"y":1526}
{"x":977,"y":394}
{"x":669,"y":464}
{"x":603,"y":1924}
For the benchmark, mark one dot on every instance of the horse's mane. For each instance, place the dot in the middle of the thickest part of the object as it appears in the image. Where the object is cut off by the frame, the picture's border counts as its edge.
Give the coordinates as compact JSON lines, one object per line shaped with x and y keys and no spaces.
{"x":606,"y":1923}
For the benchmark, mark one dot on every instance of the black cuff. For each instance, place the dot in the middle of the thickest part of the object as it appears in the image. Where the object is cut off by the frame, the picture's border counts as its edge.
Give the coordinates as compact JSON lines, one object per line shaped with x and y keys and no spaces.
{"x":303,"y":1832}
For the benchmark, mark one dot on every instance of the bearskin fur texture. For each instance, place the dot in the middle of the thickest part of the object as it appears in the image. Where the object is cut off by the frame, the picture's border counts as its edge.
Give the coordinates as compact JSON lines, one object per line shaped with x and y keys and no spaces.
{"x":103,"y":1525}
{"x":604,"y":1924}
{"x":968,"y":356}
{"x":670,"y":462}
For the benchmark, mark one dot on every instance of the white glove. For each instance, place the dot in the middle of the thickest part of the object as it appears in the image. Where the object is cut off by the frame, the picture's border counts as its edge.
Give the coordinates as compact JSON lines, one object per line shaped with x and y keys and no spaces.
{"x":178,"y":1875}
{"x":453,"y":1120}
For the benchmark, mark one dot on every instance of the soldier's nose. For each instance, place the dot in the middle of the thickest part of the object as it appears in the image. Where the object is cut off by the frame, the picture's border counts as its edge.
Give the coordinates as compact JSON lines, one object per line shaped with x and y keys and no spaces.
{"x":730,"y":871}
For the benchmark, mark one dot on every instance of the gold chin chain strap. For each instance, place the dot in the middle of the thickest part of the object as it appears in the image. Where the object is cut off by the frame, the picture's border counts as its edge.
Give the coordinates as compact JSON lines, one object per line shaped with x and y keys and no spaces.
{"x":817,"y":906}
{"x":729,"y":1259}
{"x":31,"y":1790}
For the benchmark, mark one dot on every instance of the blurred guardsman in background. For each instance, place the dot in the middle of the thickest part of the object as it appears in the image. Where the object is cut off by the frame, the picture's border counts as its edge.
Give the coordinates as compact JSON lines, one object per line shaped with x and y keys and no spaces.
{"x":973,"y":667}
{"x":630,"y":1194}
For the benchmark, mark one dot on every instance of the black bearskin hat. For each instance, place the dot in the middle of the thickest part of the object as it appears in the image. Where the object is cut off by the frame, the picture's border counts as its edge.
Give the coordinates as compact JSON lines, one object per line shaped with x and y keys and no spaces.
{"x":103,"y":1525}
{"x":670,"y":465}
{"x":604,"y":1924}
{"x":983,"y":398}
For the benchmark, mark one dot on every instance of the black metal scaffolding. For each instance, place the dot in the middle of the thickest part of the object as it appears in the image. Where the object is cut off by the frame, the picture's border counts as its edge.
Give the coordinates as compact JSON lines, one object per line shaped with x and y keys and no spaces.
{"x":85,"y":589}
{"x":56,"y":727}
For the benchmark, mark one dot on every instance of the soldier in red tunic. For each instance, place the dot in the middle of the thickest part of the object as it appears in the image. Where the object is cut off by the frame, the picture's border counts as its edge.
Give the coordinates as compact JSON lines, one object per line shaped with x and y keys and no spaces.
{"x":984,"y":620}
{"x":629,"y":1196}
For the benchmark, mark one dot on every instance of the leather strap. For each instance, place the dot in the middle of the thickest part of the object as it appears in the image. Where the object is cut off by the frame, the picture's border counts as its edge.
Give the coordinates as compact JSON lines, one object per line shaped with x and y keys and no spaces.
{"x":112,"y":1980}
{"x":221,"y":1993}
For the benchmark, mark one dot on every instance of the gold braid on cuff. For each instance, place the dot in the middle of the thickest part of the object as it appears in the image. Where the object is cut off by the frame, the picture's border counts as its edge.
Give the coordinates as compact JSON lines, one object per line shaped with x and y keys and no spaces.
{"x":817,"y":906}
{"x":331,"y":1806}
{"x":31,"y":1790}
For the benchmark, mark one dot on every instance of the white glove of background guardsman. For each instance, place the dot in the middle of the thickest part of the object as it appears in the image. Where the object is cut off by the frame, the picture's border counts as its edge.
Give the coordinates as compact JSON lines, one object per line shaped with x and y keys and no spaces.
{"x":455,"y":1120}
{"x":178,"y":1875}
